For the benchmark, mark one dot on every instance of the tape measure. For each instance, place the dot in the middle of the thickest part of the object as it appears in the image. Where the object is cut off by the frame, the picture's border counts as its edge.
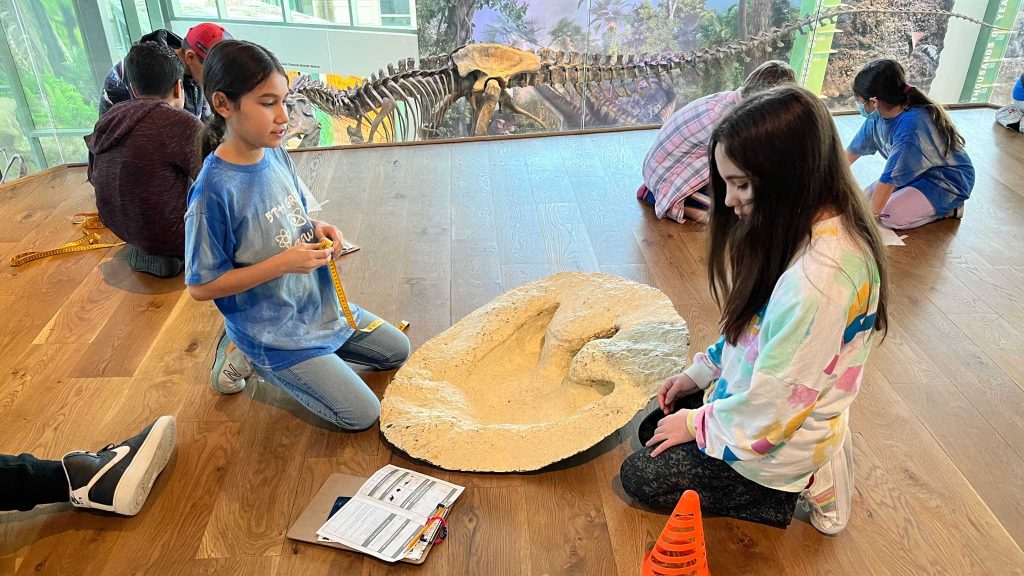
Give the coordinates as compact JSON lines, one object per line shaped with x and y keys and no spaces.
{"x":90,"y":241}
{"x":342,"y":299}
{"x":89,"y":220}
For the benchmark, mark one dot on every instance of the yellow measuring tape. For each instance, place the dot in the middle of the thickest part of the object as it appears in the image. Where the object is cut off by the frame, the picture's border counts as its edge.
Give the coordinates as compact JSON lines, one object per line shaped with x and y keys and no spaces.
{"x":343,"y":300}
{"x":90,"y":241}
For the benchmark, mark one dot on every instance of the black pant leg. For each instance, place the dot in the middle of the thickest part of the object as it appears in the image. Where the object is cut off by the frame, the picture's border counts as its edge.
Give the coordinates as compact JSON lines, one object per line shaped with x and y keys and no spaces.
{"x":26,"y":482}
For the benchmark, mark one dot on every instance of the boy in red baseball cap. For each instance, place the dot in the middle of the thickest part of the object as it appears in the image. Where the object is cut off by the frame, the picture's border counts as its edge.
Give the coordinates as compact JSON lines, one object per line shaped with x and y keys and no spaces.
{"x":192,"y":50}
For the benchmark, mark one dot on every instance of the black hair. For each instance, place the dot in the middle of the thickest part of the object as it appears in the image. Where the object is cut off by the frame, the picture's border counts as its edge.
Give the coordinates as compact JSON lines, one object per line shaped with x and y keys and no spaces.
{"x":152,"y":69}
{"x":234,"y":68}
{"x":886,"y":81}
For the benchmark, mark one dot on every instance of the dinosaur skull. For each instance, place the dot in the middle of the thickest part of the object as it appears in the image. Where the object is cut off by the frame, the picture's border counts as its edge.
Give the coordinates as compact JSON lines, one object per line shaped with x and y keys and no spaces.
{"x":302,"y":123}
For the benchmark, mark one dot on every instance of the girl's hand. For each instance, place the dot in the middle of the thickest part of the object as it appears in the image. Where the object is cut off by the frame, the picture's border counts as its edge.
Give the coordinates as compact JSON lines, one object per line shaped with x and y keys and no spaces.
{"x":675,"y":387}
{"x":302,"y":258}
{"x":323,"y":230}
{"x":671,"y":430}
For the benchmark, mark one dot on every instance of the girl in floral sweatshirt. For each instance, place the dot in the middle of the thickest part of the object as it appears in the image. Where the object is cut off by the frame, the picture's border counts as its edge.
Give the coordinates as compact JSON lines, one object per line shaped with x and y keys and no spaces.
{"x":761,"y":419}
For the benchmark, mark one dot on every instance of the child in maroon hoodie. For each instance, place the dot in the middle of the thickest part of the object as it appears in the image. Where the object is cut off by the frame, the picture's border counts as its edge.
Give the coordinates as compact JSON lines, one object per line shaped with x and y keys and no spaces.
{"x":142,"y":158}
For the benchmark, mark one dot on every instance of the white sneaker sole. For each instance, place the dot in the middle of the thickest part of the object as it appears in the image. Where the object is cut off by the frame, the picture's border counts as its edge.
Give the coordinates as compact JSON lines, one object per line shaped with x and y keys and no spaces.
{"x":232,"y":386}
{"x":843,"y":487}
{"x":133,"y":489}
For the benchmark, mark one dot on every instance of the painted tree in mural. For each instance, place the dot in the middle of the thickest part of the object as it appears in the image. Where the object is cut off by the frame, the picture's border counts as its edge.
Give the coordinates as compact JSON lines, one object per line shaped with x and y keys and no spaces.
{"x":447,"y":24}
{"x":756,"y":18}
{"x":518,"y":33}
{"x":567,"y":35}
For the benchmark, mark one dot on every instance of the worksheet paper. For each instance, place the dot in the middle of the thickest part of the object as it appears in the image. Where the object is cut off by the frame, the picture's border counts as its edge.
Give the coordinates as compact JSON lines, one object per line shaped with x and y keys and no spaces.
{"x":890,"y":237}
{"x":388,"y":512}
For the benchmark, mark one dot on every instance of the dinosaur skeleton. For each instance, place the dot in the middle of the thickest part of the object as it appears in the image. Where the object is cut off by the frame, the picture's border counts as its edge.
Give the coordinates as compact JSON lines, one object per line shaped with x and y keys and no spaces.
{"x":408,"y":102}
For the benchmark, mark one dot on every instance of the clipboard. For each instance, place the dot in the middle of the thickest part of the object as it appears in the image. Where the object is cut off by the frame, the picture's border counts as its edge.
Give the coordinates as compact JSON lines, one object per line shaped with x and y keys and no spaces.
{"x":315,"y":514}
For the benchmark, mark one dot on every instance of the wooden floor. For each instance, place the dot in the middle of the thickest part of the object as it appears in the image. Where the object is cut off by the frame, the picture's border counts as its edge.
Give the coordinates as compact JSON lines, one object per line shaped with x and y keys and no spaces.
{"x":92,"y":353}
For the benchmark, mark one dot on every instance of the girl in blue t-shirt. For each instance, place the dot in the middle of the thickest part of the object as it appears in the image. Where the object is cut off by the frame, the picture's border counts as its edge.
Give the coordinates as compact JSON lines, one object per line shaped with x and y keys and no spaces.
{"x":927,"y":175}
{"x":1012,"y":114}
{"x":252,"y":248}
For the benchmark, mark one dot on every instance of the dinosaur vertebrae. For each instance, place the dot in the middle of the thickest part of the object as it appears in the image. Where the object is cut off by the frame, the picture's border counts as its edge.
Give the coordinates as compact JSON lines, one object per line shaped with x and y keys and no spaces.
{"x":425,"y":91}
{"x":428,"y":90}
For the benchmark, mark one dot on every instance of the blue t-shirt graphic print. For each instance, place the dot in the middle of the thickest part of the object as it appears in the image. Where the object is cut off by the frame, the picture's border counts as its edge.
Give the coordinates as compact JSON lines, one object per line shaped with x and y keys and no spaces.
{"x":240,"y":215}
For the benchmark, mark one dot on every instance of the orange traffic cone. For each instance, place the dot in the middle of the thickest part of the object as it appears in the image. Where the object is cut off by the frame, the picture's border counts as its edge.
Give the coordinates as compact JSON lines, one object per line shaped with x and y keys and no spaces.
{"x":680,"y":549}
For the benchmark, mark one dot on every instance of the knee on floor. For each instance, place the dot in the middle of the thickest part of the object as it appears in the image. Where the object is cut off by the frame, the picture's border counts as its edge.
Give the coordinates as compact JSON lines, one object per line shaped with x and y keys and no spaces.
{"x":359,"y":417}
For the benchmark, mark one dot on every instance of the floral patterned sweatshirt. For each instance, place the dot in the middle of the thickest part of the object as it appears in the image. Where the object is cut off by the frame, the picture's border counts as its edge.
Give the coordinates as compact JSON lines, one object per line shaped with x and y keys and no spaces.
{"x":776,"y":404}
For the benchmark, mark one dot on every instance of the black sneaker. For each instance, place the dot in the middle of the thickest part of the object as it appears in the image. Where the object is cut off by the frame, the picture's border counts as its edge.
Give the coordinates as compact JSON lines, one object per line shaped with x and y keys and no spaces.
{"x":118,"y":478}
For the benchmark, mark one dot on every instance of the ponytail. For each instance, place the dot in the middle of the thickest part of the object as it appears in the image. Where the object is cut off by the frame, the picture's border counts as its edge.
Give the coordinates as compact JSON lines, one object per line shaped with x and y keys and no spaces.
{"x":211,"y":135}
{"x":944,"y":124}
{"x":886,"y":81}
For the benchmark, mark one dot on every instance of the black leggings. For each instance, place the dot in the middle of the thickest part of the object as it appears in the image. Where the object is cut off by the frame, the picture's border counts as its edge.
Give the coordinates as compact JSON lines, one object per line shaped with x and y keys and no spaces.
{"x":27,"y":482}
{"x":660,"y":482}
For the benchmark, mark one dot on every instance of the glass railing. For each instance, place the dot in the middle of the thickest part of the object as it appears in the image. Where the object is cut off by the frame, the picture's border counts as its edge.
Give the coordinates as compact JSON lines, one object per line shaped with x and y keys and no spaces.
{"x":556,"y":65}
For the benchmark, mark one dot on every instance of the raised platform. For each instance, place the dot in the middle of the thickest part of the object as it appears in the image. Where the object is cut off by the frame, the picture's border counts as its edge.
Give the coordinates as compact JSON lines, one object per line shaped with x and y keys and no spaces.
{"x":93,"y":352}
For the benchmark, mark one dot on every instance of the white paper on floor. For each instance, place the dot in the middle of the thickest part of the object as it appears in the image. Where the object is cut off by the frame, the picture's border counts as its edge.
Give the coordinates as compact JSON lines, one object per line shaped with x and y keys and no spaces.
{"x":890,"y":237}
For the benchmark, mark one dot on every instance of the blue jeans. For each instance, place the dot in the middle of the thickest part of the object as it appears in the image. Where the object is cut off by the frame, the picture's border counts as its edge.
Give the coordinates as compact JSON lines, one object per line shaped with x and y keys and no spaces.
{"x":331,"y":389}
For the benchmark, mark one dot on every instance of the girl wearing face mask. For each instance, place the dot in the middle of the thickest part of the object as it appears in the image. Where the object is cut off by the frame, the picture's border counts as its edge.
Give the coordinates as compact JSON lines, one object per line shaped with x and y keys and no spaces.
{"x":760,"y":421}
{"x":252,"y":248}
{"x":927,"y":175}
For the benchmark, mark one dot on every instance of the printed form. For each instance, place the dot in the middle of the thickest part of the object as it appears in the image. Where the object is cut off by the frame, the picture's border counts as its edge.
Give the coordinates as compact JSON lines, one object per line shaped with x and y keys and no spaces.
{"x":389,"y":512}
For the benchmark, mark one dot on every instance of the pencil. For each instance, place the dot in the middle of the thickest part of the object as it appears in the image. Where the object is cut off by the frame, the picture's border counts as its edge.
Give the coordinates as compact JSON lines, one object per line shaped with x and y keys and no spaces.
{"x":440,"y":508}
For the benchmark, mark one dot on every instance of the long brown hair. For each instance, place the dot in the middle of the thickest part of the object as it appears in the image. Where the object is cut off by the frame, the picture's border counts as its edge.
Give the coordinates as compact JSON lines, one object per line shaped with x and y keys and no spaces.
{"x":785,"y":142}
{"x":886,"y":81}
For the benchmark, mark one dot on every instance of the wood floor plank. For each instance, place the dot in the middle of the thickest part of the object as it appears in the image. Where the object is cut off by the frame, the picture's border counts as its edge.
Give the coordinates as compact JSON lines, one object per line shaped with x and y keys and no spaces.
{"x":487,"y":533}
{"x":176,"y":368}
{"x":635,"y":272}
{"x":245,"y":566}
{"x":633,"y":531}
{"x":86,"y":310}
{"x":37,"y":372}
{"x":990,"y":464}
{"x":518,"y":274}
{"x":476,"y":270}
{"x":971,"y":371}
{"x":251,"y":513}
{"x":34,"y":206}
{"x":19,"y":531}
{"x":997,"y":338}
{"x":520,"y":240}
{"x":940,"y":495}
{"x":118,"y":349}
{"x":75,"y":409}
{"x":575,"y":520}
{"x":476,"y":280}
{"x":568,"y":248}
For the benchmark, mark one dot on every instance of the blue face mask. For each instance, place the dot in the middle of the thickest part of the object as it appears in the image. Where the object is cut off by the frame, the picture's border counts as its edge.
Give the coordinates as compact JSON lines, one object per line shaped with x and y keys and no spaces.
{"x":864,"y":112}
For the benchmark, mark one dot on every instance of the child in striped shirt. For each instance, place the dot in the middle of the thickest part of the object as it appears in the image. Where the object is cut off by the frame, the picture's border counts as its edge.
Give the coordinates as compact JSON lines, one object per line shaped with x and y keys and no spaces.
{"x":676,"y":168}
{"x":761,"y":420}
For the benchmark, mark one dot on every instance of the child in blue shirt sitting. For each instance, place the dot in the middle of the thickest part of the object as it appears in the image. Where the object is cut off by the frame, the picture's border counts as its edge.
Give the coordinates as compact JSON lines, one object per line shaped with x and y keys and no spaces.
{"x":927,"y":176}
{"x":251,"y":246}
{"x":1012,"y":114}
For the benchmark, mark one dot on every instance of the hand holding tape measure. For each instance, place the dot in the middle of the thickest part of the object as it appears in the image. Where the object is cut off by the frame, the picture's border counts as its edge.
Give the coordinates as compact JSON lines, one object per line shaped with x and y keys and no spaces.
{"x":343,"y":300}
